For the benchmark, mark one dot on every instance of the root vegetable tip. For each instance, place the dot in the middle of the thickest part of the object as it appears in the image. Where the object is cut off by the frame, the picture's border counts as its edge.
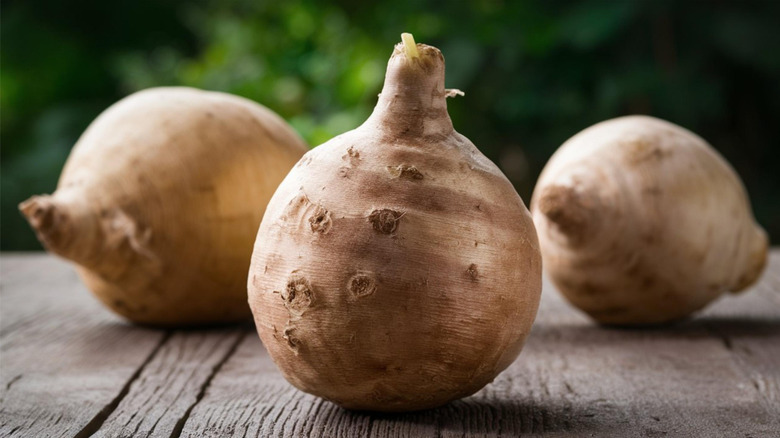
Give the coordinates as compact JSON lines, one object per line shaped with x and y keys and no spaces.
{"x":410,"y":46}
{"x":39,"y":212}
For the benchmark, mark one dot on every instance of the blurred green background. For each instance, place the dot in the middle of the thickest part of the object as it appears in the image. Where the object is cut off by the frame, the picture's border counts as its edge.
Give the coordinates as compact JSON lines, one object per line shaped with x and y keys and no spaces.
{"x":534,"y":72}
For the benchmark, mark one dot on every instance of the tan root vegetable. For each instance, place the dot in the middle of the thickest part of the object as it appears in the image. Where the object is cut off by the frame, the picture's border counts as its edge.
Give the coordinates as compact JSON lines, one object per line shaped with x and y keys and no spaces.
{"x":396,"y":268}
{"x":642,"y":222}
{"x":160,"y":199}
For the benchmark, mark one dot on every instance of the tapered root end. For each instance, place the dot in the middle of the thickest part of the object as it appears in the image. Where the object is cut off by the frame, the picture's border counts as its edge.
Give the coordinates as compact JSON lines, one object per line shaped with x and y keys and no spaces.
{"x":422,"y":57}
{"x":571,"y":212}
{"x":756,"y":263}
{"x":48,"y":220}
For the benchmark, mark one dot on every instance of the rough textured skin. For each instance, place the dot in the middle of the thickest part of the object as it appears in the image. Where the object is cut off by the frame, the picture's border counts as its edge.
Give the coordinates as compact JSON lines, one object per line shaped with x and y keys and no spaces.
{"x":160,"y":199}
{"x":642,"y":222}
{"x":396,"y":268}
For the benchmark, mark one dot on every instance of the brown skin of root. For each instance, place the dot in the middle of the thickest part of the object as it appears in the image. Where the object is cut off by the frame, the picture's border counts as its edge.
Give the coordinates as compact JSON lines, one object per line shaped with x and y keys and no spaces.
{"x":64,"y":228}
{"x":677,"y":234}
{"x":404,"y":311}
{"x":159,"y":203}
{"x":759,"y":259}
{"x":571,"y":212}
{"x":49,"y":224}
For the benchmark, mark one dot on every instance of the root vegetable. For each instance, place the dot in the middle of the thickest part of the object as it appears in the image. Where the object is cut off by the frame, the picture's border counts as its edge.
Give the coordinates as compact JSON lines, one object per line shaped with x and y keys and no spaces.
{"x":160,"y":199}
{"x":642,"y":222}
{"x":396,"y":268}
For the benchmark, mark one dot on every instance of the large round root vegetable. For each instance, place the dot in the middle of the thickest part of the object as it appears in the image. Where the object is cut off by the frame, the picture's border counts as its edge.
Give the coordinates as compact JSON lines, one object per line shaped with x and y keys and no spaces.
{"x":396,"y":268}
{"x":642,"y":222}
{"x":160,"y":199}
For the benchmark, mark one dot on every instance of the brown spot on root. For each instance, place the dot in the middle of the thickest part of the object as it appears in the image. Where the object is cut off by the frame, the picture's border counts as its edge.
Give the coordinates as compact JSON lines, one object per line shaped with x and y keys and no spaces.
{"x":320,"y":221}
{"x":652,"y":190}
{"x":352,"y":156}
{"x":293,"y":342}
{"x":361,"y":285}
{"x":472,"y":272}
{"x":405,"y":171}
{"x":385,"y":220}
{"x":640,"y":150}
{"x":298,"y":295}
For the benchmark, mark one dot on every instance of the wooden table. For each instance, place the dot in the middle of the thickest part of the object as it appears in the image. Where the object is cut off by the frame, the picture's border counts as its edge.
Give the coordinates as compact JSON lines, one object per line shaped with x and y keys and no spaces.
{"x":69,"y":368}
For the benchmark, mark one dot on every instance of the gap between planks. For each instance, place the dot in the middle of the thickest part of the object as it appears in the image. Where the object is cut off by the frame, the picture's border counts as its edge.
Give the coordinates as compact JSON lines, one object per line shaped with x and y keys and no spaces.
{"x":99,"y":426}
{"x":97,"y":421}
{"x":176,"y":433}
{"x":739,"y":326}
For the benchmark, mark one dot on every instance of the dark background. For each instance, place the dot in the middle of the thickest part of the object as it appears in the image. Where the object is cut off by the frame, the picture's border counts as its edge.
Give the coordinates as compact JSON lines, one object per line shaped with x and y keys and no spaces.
{"x":534,"y":72}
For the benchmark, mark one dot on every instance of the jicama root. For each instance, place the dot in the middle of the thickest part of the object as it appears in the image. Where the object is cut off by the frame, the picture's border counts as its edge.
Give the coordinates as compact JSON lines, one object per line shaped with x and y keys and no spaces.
{"x":642,"y":222}
{"x":396,"y":268}
{"x":160,"y":200}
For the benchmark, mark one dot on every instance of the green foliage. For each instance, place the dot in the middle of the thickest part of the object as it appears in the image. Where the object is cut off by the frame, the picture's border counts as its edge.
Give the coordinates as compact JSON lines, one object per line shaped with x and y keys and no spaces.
{"x":303,"y":60}
{"x":534,"y":73}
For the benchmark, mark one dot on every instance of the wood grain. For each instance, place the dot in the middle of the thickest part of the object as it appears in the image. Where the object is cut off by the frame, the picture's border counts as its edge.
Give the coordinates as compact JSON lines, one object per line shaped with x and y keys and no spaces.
{"x":69,"y":368}
{"x":65,"y":361}
{"x":159,"y":401}
{"x":572,"y":379}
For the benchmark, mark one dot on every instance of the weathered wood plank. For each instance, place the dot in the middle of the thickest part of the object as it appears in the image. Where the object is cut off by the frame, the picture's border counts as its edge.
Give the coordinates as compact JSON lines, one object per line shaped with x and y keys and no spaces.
{"x":159,"y":401}
{"x":749,"y":326}
{"x":65,"y":362}
{"x":711,"y":375}
{"x":69,"y":368}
